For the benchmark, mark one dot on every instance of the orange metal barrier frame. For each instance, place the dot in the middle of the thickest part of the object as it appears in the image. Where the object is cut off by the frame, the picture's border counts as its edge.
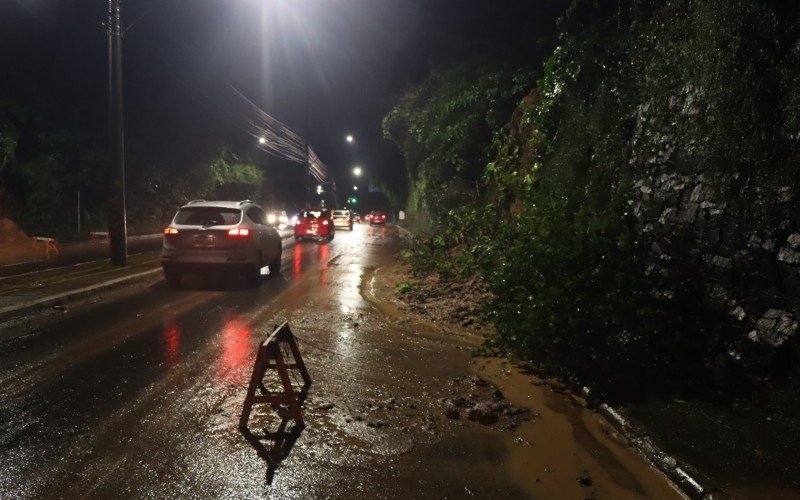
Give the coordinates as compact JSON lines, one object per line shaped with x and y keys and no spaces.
{"x":51,"y":250}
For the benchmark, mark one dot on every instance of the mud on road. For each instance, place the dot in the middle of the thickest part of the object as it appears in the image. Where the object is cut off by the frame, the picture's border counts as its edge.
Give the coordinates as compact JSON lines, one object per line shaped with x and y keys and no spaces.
{"x":144,"y":401}
{"x":552,"y":446}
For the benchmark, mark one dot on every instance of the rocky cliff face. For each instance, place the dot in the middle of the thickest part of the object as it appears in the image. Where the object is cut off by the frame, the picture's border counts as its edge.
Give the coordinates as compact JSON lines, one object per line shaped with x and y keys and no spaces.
{"x":736,"y":240}
{"x":746,"y":252}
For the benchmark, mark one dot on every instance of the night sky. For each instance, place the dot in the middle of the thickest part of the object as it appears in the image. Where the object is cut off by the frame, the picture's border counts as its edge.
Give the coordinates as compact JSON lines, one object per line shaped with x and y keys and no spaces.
{"x":326,"y":68}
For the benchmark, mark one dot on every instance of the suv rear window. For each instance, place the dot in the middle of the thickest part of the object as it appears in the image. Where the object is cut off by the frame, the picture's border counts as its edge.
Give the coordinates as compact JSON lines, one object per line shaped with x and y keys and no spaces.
{"x":208,"y":216}
{"x":340,"y":212}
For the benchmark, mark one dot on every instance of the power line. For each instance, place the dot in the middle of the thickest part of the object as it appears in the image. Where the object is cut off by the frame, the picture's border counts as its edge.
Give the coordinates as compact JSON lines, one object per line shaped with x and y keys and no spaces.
{"x":279,"y":139}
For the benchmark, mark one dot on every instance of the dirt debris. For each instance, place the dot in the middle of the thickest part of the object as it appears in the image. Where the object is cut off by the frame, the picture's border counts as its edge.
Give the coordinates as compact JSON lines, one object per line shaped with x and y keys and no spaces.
{"x":448,"y":301}
{"x":479,"y":401}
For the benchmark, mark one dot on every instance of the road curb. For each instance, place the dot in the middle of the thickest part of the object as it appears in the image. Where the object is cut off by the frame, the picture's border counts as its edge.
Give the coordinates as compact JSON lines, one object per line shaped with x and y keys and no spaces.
{"x":690,"y":482}
{"x":58,"y":299}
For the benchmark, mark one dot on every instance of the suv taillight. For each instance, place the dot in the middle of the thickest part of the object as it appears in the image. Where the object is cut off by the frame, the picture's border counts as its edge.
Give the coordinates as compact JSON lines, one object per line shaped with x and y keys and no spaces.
{"x":170,"y":231}
{"x":239,"y":232}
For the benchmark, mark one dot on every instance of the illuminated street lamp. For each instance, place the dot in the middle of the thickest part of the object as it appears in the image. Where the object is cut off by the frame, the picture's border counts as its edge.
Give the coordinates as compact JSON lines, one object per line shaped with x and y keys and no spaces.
{"x":350,"y":139}
{"x":357,"y":171}
{"x":319,"y":189}
{"x":355,"y":188}
{"x":262,"y":140}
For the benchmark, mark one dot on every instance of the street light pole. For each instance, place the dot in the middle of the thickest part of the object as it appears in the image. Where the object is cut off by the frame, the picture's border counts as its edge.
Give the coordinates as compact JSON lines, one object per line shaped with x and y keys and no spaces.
{"x":117,"y":224}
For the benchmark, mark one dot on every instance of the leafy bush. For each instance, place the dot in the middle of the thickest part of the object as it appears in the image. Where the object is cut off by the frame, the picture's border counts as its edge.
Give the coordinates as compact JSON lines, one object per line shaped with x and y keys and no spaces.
{"x":572,"y":294}
{"x":448,"y":129}
{"x":635,"y":88}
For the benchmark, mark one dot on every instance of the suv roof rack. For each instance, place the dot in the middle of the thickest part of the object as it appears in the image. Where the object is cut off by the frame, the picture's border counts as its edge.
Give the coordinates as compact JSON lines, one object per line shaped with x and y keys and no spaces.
{"x":192,"y":202}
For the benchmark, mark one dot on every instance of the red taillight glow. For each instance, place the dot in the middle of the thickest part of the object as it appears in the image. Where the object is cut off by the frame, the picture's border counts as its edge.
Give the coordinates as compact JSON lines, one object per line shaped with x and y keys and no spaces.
{"x":170,"y":230}
{"x":239,"y":232}
{"x":325,"y":222}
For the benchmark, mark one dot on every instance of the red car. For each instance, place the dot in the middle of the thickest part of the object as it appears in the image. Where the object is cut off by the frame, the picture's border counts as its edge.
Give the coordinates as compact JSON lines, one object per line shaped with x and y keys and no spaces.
{"x":315,"y":223}
{"x":376,"y":218}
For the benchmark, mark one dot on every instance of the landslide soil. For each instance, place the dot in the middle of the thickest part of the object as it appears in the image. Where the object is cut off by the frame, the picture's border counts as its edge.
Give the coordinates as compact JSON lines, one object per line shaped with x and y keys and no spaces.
{"x":550,"y":443}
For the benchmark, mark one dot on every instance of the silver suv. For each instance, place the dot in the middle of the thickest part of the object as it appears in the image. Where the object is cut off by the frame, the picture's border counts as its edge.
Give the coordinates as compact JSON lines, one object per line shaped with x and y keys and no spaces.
{"x":342,"y":218}
{"x":206,"y":235}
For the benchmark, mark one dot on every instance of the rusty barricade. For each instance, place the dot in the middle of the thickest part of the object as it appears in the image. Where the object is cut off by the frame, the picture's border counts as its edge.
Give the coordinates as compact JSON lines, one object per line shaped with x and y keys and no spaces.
{"x":49,"y":246}
{"x":99,"y":237}
{"x":279,"y":353}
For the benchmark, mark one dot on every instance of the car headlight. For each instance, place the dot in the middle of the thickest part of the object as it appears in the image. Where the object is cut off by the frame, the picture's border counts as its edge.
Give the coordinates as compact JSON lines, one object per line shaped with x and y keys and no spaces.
{"x":271,"y":219}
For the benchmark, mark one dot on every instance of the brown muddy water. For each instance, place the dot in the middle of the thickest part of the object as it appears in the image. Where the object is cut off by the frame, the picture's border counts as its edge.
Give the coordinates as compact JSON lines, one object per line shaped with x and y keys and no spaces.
{"x":564,"y":451}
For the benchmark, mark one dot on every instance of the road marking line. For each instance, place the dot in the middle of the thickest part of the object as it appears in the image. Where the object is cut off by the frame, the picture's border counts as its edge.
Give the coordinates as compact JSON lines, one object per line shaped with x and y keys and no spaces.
{"x":75,"y":293}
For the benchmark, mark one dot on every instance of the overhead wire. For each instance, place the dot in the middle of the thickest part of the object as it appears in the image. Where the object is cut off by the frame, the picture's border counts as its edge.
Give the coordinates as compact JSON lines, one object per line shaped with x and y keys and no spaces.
{"x":270,"y":134}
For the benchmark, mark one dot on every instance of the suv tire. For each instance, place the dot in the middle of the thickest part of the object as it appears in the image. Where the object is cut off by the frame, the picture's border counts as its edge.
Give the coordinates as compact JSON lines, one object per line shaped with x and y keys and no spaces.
{"x":275,"y":266}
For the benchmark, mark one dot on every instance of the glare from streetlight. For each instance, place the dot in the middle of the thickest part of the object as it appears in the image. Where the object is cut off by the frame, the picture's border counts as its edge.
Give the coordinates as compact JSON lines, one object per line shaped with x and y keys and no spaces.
{"x":357,"y":171}
{"x":262,"y":140}
{"x":350,"y":139}
{"x":355,"y":188}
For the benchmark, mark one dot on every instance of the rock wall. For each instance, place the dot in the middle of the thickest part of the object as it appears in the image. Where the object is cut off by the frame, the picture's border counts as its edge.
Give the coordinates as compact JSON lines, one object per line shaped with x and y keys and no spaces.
{"x":745,"y":250}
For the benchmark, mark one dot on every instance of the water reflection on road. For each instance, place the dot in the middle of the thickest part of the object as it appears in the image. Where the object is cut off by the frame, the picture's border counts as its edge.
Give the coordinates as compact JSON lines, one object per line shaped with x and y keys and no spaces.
{"x":172,"y":342}
{"x":236,"y":351}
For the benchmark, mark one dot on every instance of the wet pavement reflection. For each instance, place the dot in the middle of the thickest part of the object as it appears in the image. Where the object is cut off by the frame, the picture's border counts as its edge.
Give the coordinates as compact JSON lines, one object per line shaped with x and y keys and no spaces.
{"x":172,"y":343}
{"x":140,"y":397}
{"x":274,"y":446}
{"x":237,"y":347}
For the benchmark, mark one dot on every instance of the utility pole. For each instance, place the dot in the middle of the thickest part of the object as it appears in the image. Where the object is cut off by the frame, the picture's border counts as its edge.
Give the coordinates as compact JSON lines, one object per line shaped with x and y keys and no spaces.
{"x":117,"y":224}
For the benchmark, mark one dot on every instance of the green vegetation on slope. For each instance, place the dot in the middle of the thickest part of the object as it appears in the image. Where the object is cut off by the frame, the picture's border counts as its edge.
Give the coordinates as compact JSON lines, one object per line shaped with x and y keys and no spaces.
{"x":633,"y":88}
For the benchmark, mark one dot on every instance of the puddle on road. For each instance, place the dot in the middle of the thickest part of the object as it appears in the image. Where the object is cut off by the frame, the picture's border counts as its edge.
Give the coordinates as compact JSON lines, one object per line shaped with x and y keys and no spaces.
{"x":567,"y":451}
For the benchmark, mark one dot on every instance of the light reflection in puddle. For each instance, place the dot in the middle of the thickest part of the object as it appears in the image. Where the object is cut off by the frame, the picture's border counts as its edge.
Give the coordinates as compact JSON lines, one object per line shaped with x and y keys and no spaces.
{"x":236,"y":350}
{"x":324,"y":251}
{"x":348,"y":294}
{"x":171,"y":336}
{"x":297,"y":267}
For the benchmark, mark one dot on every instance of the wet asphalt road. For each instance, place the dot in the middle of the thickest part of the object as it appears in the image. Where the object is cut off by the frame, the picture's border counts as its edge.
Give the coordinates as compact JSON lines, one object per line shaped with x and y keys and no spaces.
{"x":139,"y":396}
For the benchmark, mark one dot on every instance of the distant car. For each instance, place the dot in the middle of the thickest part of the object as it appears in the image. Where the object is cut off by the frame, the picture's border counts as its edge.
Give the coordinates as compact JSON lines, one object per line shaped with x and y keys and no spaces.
{"x":208,"y":235}
{"x":342,"y":218}
{"x":376,"y":217}
{"x":357,"y":217}
{"x":316,"y":223}
{"x":277,"y":218}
